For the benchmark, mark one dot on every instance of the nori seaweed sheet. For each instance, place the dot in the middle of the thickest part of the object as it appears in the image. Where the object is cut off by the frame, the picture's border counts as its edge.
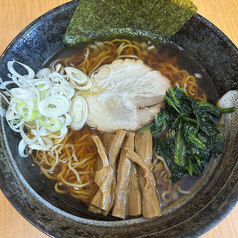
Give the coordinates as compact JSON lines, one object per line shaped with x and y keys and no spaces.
{"x":154,"y":20}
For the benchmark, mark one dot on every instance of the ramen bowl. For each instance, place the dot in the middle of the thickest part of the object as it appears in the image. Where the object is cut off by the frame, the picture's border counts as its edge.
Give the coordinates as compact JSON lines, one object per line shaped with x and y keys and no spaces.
{"x":203,"y":208}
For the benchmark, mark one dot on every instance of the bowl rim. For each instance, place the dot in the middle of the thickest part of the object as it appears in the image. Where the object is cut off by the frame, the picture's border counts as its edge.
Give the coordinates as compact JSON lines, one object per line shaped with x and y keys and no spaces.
{"x":30,"y":217}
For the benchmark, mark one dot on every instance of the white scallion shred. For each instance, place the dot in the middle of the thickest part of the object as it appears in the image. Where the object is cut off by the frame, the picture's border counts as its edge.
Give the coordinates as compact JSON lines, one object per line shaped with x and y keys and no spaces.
{"x":44,"y":104}
{"x":30,"y":75}
{"x":99,"y":85}
{"x":78,"y":79}
{"x":78,"y":112}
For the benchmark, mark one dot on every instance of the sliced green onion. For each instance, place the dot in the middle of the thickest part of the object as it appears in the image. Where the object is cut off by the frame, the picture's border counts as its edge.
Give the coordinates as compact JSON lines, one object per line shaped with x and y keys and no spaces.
{"x":99,"y":85}
{"x":40,"y":108}
{"x":78,"y":79}
{"x":52,"y":124}
{"x":21,"y":148}
{"x":30,"y":75}
{"x":25,"y":109}
{"x":43,"y":73}
{"x":78,"y":112}
{"x":54,"y":106}
{"x":22,"y":93}
{"x":48,"y":143}
{"x":63,"y":90}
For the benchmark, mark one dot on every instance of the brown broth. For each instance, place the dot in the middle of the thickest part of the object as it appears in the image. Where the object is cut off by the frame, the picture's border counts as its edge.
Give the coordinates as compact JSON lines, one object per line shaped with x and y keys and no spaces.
{"x":164,"y":53}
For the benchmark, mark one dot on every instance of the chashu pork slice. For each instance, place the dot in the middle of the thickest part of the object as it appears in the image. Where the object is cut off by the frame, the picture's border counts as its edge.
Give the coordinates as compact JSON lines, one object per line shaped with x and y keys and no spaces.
{"x":127,"y":95}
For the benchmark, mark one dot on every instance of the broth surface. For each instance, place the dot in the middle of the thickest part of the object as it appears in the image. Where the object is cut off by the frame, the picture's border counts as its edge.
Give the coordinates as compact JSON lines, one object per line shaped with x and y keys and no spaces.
{"x":166,"y":58}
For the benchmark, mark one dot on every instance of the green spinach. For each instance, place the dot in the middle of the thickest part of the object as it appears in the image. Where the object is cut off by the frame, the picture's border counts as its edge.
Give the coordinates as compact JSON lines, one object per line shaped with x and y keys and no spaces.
{"x":186,"y":134}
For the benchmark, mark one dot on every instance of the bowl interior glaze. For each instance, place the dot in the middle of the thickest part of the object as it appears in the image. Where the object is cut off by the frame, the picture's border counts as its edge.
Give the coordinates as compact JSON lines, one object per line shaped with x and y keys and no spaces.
{"x":28,"y":192}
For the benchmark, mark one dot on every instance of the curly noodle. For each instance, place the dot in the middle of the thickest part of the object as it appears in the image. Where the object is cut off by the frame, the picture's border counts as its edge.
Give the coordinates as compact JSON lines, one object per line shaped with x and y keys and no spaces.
{"x":73,"y":162}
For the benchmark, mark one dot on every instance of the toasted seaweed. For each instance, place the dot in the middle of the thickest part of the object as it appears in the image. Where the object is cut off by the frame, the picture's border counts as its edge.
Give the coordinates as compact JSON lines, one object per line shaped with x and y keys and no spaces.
{"x":154,"y":20}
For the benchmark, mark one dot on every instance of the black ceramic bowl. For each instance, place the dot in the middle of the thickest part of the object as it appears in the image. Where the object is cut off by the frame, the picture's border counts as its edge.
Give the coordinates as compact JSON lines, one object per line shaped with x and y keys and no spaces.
{"x":215,"y":196}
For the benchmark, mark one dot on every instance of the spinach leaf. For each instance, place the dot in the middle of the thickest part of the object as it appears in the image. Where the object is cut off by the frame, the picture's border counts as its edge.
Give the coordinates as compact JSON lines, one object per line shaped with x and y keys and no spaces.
{"x":180,"y":147}
{"x":162,"y":120}
{"x":186,"y":135}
